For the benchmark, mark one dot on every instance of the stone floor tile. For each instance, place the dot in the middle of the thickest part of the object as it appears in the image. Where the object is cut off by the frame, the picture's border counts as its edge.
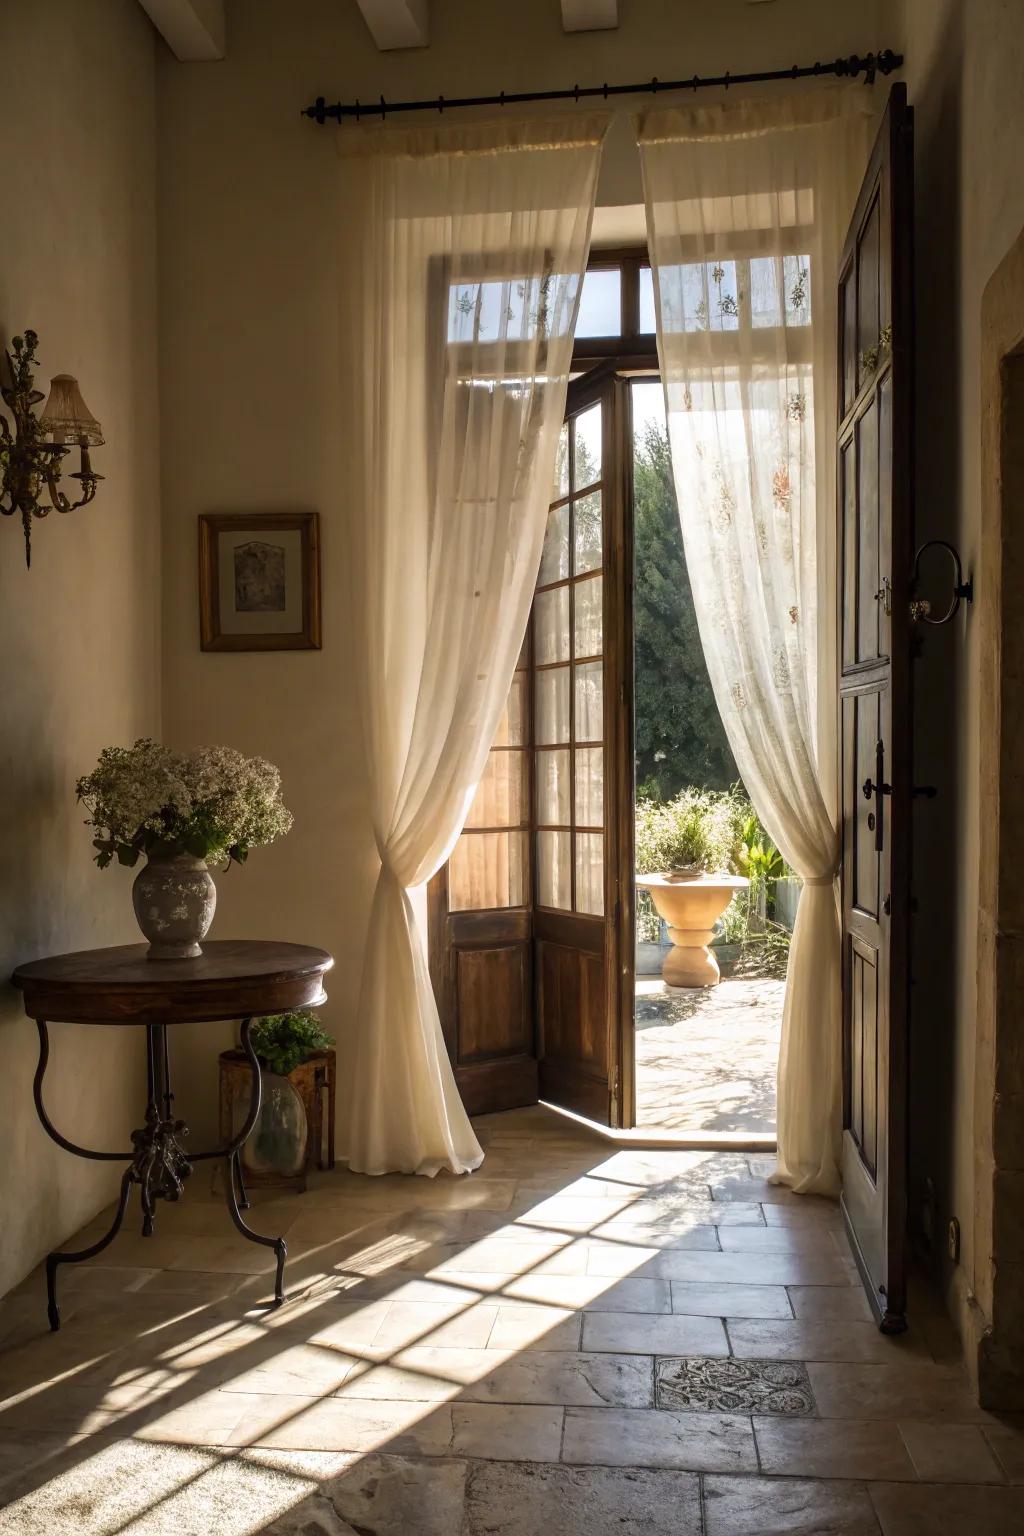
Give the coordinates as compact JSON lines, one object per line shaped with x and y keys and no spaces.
{"x":830,"y":1339}
{"x":494,"y":1256}
{"x":741,"y":1186}
{"x":691,"y":1442}
{"x":518,"y":1327}
{"x":665,"y":1334}
{"x":504,"y":1432}
{"x":600,"y":1293}
{"x":306,"y":1369}
{"x":500,"y":1432}
{"x":914,"y":1390}
{"x":512,"y":1500}
{"x":389,"y":1495}
{"x":341,"y":1424}
{"x":795,"y":1240}
{"x":477,"y":1375}
{"x":950,"y":1453}
{"x":924,"y":1510}
{"x":700,"y":1235}
{"x":849,"y":1448}
{"x":409,"y":1323}
{"x":710,"y":1299}
{"x":673,"y":1212}
{"x":807,"y":1213}
{"x":189,"y":1283}
{"x":819,"y":1302}
{"x":769,"y":1506}
{"x":1007,"y":1442}
{"x":821,"y":1268}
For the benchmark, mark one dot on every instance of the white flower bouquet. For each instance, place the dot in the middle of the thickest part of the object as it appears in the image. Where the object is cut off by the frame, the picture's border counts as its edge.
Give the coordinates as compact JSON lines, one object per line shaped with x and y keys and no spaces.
{"x":213,"y":803}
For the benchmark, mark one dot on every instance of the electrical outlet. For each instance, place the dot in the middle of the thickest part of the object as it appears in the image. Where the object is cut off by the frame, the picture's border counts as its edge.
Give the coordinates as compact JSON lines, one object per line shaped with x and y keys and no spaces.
{"x":954,"y":1240}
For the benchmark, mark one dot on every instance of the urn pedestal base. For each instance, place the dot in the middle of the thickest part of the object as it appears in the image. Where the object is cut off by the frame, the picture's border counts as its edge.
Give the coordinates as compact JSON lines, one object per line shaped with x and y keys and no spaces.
{"x":691,"y":909}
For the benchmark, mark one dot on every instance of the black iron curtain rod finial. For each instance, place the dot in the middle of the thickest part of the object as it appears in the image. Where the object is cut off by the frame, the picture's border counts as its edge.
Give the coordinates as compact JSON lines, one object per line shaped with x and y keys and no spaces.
{"x":870,"y":65}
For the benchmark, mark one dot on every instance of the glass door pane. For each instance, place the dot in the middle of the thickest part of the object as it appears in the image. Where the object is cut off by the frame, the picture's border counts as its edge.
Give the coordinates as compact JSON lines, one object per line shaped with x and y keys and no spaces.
{"x":490,"y":864}
{"x":568,"y":645}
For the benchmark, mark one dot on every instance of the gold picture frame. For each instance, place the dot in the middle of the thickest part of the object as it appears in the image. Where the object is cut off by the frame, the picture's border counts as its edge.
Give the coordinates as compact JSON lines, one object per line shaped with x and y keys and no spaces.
{"x":259,"y":581}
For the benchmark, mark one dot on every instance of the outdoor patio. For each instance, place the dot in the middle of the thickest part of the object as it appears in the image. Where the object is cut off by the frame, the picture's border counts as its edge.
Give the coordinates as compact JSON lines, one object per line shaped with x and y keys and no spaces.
{"x":706,"y":1058}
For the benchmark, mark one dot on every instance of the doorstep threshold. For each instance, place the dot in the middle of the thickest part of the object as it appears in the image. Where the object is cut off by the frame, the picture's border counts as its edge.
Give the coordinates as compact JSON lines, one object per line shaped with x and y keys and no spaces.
{"x":653,"y":1138}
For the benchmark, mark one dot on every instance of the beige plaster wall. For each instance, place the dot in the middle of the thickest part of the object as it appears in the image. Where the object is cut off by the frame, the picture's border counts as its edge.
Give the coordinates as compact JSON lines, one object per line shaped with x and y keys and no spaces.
{"x":79,"y":633}
{"x":249,"y":365}
{"x":965,"y":73}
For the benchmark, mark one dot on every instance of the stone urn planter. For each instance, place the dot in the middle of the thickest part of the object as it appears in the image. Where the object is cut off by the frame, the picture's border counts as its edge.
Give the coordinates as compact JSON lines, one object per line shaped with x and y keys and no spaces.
{"x":691,"y":905}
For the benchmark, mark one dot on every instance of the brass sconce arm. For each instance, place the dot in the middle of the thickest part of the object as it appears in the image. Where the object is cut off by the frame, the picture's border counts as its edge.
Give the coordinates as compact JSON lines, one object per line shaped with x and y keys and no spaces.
{"x":29,"y":460}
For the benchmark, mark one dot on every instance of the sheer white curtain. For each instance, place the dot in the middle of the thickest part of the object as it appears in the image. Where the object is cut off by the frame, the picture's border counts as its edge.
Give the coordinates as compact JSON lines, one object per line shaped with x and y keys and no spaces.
{"x":747,"y":207}
{"x":465,"y":251}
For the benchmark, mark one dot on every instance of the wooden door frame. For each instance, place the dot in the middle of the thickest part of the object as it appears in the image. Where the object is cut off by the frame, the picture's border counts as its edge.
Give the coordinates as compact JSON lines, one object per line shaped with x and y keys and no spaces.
{"x":989,"y":1295}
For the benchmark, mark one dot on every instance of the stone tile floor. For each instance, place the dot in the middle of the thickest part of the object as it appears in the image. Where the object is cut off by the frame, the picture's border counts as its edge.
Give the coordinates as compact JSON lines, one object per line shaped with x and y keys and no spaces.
{"x":706,"y":1058}
{"x":573,"y":1339}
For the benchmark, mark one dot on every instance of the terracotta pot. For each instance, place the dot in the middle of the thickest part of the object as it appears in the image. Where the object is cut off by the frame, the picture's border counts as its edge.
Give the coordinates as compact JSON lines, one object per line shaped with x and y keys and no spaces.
{"x":691,"y":907}
{"x":174,"y":898}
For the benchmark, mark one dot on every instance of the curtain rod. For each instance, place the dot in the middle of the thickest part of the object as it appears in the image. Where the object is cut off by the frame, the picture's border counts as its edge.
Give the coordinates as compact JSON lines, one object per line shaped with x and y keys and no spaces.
{"x":871,"y":64}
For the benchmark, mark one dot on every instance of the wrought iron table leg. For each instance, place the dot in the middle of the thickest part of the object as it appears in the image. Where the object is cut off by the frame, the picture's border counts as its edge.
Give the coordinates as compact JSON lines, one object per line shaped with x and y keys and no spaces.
{"x":233,"y":1168}
{"x":278,"y":1244}
{"x":53,"y":1259}
{"x":243,"y":1198}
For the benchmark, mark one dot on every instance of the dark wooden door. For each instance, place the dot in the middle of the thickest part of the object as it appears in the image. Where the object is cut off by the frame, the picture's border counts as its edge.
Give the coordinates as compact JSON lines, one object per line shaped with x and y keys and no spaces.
{"x":480,"y":925}
{"x":531,"y":920}
{"x":582,"y":746}
{"x":875,"y":509}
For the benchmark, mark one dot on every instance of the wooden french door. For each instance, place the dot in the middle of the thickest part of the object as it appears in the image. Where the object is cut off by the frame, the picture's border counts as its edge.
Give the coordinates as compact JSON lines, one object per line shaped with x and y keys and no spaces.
{"x":582,"y":691}
{"x":875,"y":510}
{"x":531,"y":920}
{"x":480,"y":925}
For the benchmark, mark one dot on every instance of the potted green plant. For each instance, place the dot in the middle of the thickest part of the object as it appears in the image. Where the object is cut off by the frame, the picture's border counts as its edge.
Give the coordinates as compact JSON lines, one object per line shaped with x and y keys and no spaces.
{"x":278,"y":1145}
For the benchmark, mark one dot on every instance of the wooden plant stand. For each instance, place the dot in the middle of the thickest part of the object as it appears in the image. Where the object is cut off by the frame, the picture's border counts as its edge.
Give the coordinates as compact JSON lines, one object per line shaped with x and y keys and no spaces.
{"x":314,"y":1081}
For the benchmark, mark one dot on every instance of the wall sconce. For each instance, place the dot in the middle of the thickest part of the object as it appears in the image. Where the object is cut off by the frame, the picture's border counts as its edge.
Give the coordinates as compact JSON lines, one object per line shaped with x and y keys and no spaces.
{"x":27,"y":460}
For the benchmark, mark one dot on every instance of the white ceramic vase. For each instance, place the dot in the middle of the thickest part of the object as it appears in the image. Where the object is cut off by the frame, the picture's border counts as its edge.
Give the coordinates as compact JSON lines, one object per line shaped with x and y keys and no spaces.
{"x":174,"y":898}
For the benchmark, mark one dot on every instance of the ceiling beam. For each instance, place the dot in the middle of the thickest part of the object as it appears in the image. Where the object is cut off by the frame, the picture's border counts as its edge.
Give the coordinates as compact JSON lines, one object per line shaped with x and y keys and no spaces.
{"x":397,"y":23}
{"x":194,"y":30}
{"x":589,"y":15}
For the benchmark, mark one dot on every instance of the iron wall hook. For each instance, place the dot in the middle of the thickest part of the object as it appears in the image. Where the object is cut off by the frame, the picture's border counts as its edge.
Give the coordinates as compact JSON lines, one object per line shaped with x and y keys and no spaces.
{"x":963,"y":591}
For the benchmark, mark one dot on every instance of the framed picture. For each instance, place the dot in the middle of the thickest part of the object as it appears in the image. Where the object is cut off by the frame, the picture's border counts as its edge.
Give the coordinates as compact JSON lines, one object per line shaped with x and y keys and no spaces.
{"x":259,"y":581}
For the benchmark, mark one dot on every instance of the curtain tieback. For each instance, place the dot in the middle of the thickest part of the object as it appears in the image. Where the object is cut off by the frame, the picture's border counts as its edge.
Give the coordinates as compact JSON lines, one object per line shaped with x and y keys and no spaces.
{"x":820,"y":879}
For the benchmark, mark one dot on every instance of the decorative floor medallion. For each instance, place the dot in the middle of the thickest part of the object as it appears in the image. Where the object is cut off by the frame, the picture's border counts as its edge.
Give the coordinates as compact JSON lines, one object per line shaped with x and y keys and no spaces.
{"x":734,"y":1386}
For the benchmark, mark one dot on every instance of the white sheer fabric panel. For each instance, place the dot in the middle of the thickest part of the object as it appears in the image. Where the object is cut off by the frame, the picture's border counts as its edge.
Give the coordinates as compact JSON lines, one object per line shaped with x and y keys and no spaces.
{"x":747,"y":208}
{"x":464,"y":254}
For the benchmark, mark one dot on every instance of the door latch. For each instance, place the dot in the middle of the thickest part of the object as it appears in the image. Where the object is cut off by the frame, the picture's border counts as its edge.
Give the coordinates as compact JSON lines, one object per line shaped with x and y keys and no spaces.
{"x":884,"y":596}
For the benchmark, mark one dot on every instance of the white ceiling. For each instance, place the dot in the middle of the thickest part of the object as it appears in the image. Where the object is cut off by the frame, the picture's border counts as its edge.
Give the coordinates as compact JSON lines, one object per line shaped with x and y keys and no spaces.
{"x":194,"y":30}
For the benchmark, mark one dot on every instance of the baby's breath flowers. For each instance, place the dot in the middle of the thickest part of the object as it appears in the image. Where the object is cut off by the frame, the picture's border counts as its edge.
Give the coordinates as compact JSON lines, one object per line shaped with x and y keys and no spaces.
{"x":212,"y":803}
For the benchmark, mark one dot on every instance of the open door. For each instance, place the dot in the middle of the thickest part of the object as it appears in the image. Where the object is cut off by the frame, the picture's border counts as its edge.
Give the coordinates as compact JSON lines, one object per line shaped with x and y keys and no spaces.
{"x":875,"y":510}
{"x":531,"y":924}
{"x":582,"y":734}
{"x":480,"y":926}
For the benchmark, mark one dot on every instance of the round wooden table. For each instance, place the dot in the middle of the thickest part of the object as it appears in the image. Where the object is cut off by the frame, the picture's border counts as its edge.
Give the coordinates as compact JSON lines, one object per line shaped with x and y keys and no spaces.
{"x":232,"y":979}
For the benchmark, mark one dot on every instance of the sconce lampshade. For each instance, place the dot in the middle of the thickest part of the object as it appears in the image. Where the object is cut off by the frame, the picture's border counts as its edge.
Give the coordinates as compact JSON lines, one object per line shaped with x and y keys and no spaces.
{"x":66,"y":415}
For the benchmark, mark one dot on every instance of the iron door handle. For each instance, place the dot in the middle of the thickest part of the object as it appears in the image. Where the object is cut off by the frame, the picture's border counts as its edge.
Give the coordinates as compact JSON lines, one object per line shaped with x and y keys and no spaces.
{"x":879,"y":788}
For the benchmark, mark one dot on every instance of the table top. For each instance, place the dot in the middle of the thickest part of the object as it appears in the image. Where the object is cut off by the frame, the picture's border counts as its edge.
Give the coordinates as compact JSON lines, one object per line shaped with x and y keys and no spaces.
{"x":232,"y":978}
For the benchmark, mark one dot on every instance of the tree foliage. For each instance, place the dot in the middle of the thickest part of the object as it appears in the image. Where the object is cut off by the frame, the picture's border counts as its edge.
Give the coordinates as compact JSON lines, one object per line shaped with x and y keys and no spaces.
{"x":680,"y":740}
